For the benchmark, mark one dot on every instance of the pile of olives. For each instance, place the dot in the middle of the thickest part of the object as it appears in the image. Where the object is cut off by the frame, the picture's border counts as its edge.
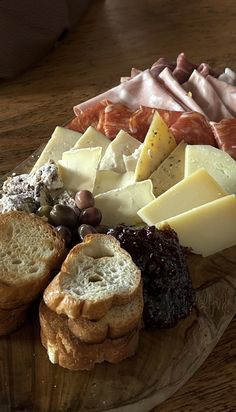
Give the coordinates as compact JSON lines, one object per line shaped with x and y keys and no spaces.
{"x":74,"y":224}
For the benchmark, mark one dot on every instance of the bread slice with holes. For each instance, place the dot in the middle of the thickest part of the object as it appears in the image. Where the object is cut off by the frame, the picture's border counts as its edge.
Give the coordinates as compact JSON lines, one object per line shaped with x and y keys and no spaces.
{"x":117,"y":322}
{"x":30,"y":249}
{"x":69,"y":352}
{"x":96,"y":275}
{"x":12,"y":319}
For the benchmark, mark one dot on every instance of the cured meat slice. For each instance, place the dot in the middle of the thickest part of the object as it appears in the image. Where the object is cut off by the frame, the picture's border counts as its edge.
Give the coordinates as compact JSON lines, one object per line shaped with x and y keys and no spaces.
{"x":229,"y":76}
{"x":169,"y":116}
{"x":226,"y":92}
{"x":184,"y":68}
{"x":143,"y":89}
{"x":116,"y":118}
{"x":205,"y":96}
{"x":177,"y":90}
{"x":225,"y":135}
{"x":204,"y":69}
{"x":88,"y":117}
{"x":193,"y":128}
{"x":160,"y":65}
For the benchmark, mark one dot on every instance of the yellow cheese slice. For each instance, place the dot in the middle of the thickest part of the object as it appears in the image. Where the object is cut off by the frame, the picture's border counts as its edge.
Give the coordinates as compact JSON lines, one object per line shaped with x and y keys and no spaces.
{"x":61,"y":140}
{"x":123,"y":144}
{"x":108,"y":180}
{"x":92,"y":138}
{"x":207,"y":229}
{"x":78,"y":168}
{"x":219,"y":164}
{"x":170,"y":172}
{"x":193,"y":191}
{"x":121,"y":205}
{"x":158,"y":144}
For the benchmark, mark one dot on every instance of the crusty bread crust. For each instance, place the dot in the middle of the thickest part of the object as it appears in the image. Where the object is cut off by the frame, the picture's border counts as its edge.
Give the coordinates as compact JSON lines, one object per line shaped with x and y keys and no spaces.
{"x":118,"y":321}
{"x":11,"y":320}
{"x":69,"y":352}
{"x":70,"y":291}
{"x":19,"y":284}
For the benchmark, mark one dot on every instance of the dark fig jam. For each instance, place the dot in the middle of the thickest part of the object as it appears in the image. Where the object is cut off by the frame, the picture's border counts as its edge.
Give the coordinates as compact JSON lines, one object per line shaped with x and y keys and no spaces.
{"x":168,"y":292}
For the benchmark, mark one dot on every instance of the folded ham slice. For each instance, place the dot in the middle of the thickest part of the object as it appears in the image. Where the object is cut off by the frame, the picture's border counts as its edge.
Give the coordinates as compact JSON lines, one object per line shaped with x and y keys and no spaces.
{"x":226,"y":92}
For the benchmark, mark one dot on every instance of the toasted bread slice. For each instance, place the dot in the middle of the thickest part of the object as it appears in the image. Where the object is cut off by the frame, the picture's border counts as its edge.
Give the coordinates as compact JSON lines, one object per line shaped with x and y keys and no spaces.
{"x":96,"y":275}
{"x":117,"y":322}
{"x":29,"y":250}
{"x":69,"y":352}
{"x":12,"y":319}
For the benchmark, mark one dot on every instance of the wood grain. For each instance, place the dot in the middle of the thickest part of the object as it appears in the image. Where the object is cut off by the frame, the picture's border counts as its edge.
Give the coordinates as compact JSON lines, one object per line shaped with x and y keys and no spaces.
{"x":112,"y":37}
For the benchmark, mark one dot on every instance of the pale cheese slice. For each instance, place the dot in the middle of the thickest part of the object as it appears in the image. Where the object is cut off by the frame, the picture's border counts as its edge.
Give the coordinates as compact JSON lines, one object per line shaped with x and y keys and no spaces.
{"x":130,"y":161}
{"x":220,"y":165}
{"x":207,"y":229}
{"x":78,"y":168}
{"x":170,"y":172}
{"x":121,"y":205}
{"x":193,"y":191}
{"x":61,"y":140}
{"x":92,"y":138}
{"x":158,"y":144}
{"x":113,"y":157}
{"x":108,"y":180}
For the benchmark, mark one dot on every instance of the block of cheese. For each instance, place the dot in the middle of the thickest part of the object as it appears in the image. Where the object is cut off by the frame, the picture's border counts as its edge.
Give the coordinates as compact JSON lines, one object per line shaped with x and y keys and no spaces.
{"x":121,"y":205}
{"x":113,"y":157}
{"x":195,"y":190}
{"x":108,"y":180}
{"x":170,"y":172}
{"x":130,"y":161}
{"x":92,"y":138}
{"x":158,"y":144}
{"x":78,"y":168}
{"x":219,"y":164}
{"x":61,"y":140}
{"x":207,"y":229}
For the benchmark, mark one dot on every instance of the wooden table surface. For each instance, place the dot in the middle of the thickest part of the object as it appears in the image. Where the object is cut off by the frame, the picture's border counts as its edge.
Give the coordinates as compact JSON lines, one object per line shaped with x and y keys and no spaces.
{"x":112,"y":37}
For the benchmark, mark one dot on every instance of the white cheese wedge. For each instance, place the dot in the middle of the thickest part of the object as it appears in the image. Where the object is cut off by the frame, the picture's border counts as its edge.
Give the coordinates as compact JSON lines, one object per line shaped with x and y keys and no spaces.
{"x":219,"y":165}
{"x":121,"y":205}
{"x":108,"y":180}
{"x":78,"y":168}
{"x":92,"y":138}
{"x":113,"y":157}
{"x":193,"y":191}
{"x":130,"y":161}
{"x":207,"y":229}
{"x":61,"y":140}
{"x":158,"y":144}
{"x":170,"y":172}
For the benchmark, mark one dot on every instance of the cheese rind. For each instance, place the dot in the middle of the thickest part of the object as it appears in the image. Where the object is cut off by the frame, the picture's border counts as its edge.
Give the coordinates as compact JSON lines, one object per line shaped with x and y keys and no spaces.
{"x":61,"y":140}
{"x":108,"y":180}
{"x":207,"y":229}
{"x":78,"y":168}
{"x":195,"y":190}
{"x":121,"y":205}
{"x":158,"y":144}
{"x":113,"y":157}
{"x":92,"y":138}
{"x":170,"y":171}
{"x":220,"y":165}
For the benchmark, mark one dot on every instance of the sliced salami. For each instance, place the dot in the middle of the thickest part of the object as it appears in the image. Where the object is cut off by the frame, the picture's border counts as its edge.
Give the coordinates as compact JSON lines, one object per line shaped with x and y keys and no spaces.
{"x":225,"y":135}
{"x":116,"y":118}
{"x":193,"y":128}
{"x":88,"y":116}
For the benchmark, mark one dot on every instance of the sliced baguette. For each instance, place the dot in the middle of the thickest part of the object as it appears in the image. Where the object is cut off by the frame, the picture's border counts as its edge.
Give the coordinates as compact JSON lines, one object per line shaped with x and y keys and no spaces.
{"x":12,"y":319}
{"x":69,"y":352}
{"x":96,"y":275}
{"x":29,"y":250}
{"x":117,"y":322}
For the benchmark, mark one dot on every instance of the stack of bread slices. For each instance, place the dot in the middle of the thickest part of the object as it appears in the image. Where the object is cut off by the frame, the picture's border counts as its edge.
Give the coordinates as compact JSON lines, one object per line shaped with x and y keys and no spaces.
{"x":91,"y":311}
{"x":30,"y":250}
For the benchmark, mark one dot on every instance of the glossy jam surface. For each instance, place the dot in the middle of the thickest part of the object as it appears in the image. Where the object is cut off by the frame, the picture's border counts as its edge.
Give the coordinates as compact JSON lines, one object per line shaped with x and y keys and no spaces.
{"x":168,"y":292}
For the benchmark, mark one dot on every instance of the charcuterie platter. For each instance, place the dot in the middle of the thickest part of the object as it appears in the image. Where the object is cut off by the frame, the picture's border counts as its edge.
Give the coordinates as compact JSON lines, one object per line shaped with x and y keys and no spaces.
{"x":142,"y":158}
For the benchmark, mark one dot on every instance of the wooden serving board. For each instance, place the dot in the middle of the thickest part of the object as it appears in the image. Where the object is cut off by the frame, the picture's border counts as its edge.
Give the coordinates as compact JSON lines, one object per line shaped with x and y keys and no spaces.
{"x":165,"y":360}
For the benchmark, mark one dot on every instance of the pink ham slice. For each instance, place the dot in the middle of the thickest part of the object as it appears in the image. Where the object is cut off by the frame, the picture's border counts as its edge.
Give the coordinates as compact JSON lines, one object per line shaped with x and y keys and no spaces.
{"x":177,"y":90}
{"x":225,"y":135}
{"x":143,"y":89}
{"x":183,"y":69}
{"x":229,"y":76}
{"x":226,"y":92}
{"x":206,"y":97}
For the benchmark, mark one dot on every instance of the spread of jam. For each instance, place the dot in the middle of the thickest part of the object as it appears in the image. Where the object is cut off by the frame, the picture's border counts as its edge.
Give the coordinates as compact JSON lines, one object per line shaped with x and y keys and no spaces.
{"x":168,"y":292}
